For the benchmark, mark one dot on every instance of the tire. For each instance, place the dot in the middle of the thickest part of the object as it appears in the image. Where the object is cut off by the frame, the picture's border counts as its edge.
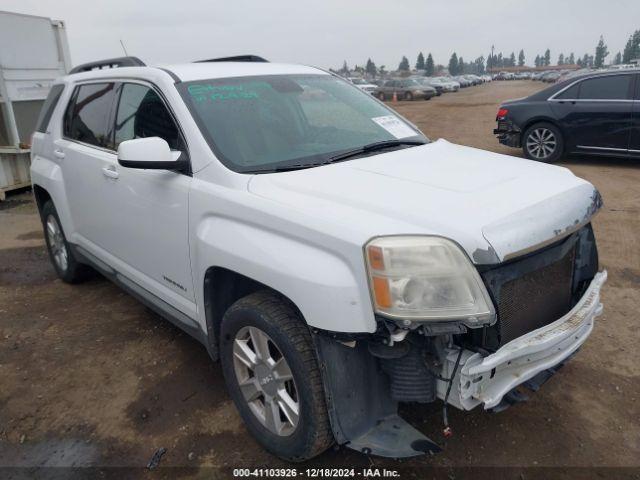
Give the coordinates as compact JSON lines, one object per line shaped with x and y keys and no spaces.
{"x":408,"y":96}
{"x":265,"y":318}
{"x":60,"y":253}
{"x":543,"y":142}
{"x":381,"y":96}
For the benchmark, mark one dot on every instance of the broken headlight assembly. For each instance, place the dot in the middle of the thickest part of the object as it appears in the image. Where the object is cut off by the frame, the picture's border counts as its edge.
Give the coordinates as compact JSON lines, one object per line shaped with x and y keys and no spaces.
{"x":426,"y":279}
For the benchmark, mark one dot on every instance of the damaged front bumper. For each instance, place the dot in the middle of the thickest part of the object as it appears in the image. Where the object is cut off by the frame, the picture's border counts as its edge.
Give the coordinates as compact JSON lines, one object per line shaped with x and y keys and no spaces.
{"x":487,"y":379}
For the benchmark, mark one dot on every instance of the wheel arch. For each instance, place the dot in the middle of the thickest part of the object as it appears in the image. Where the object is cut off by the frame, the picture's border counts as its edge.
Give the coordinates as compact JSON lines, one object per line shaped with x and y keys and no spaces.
{"x":541,"y":119}
{"x":41,"y":195}
{"x":221,"y":289}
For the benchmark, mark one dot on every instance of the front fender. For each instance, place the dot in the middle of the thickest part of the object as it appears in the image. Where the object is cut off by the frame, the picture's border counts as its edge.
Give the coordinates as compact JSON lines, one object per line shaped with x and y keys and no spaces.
{"x":329,"y":291}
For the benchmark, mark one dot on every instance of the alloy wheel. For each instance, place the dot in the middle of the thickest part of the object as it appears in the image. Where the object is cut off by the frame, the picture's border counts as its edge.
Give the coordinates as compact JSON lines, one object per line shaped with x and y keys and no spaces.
{"x":541,"y":143}
{"x":266,"y":381}
{"x":57,"y":243}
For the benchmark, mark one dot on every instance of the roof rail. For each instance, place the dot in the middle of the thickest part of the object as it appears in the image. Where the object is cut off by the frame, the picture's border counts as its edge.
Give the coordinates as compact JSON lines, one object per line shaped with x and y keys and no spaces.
{"x":237,"y":58}
{"x":108,"y":63}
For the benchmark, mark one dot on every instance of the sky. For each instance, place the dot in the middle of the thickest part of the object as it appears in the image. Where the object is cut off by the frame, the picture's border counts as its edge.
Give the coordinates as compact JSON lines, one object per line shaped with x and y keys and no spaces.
{"x":325,"y":33}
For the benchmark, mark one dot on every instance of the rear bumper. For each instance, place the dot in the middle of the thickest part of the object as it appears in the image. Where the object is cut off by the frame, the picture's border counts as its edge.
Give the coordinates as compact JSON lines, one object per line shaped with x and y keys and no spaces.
{"x":508,"y":134}
{"x":487,"y":379}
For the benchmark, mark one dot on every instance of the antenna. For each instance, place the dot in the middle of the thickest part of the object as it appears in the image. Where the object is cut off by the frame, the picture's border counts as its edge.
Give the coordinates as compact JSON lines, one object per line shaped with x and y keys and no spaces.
{"x":125,"y":50}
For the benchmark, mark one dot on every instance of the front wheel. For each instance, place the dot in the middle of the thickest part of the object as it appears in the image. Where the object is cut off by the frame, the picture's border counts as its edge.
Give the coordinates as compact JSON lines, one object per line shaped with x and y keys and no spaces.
{"x":408,"y":96}
{"x":543,"y":142}
{"x":272,"y":375}
{"x":381,"y":96}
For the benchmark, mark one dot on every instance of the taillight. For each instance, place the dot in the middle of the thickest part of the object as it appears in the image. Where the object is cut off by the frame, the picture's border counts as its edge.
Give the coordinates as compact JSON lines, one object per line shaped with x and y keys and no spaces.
{"x":502,"y":112}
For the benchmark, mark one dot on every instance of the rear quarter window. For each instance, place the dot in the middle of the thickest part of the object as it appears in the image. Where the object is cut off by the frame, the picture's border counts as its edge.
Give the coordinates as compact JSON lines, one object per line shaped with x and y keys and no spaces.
{"x":48,"y":107}
{"x":569,"y":93}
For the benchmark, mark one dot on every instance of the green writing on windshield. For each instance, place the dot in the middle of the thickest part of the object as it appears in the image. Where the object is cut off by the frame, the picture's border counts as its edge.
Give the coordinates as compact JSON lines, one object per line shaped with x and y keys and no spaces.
{"x":212,"y":93}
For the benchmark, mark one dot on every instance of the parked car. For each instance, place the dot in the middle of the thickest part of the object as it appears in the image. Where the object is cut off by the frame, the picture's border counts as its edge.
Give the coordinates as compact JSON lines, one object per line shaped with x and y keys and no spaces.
{"x":332,"y":258}
{"x":405,"y":89}
{"x":363,"y":84}
{"x":550,"y":77}
{"x":474,"y":79}
{"x":590,"y":114}
{"x":427,"y":81}
{"x":505,"y":76}
{"x":464,"y":83}
{"x":447,"y":84}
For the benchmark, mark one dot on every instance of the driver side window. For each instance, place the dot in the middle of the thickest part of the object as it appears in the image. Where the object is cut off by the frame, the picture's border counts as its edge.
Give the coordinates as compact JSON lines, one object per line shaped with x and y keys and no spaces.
{"x":142,"y":114}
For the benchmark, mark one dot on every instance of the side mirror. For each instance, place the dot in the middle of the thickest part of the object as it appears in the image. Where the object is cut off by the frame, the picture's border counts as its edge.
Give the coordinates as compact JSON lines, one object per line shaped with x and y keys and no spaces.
{"x":149,"y":153}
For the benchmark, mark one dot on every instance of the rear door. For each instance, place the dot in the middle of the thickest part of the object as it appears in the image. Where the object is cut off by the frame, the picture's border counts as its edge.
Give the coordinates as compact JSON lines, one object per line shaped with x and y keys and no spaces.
{"x":598,"y":119}
{"x":634,"y":144}
{"x":82,"y":151}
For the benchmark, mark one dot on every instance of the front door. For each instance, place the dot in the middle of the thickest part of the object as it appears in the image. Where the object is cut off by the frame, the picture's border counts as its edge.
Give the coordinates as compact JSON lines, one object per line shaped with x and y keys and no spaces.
{"x":148,"y":214}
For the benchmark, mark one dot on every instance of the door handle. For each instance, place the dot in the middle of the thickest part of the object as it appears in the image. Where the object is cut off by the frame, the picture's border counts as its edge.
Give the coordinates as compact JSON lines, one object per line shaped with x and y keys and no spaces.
{"x":110,"y":172}
{"x":58,"y":154}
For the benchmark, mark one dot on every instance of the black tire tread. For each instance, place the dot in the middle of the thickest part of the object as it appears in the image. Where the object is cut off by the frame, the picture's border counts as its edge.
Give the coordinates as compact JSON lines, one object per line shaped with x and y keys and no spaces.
{"x":287,"y":319}
{"x":76,"y":271}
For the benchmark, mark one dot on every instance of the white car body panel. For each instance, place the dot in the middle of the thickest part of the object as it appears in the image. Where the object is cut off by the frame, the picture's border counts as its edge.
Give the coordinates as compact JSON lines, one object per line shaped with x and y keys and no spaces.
{"x":439,"y":189}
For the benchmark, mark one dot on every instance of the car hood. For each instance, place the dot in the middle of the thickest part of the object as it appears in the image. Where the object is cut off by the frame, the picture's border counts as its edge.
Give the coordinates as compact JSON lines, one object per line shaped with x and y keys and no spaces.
{"x":495,"y":206}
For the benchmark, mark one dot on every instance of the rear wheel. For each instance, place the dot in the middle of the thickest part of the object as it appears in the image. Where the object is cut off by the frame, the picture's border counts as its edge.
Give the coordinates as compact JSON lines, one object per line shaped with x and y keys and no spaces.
{"x":543,"y":142}
{"x":381,"y":96}
{"x":408,"y":96}
{"x":272,"y":375}
{"x":65,"y":264}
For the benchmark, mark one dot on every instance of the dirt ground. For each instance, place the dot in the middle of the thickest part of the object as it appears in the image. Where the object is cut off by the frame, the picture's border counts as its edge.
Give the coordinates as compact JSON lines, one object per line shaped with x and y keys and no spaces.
{"x":88,"y":376}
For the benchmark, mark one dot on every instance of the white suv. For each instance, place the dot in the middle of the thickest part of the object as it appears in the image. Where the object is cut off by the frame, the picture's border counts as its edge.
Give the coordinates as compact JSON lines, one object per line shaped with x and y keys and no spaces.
{"x":333,"y":259}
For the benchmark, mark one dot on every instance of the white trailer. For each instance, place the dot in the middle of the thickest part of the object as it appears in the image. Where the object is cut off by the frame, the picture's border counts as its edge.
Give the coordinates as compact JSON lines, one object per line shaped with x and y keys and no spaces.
{"x":33,"y":53}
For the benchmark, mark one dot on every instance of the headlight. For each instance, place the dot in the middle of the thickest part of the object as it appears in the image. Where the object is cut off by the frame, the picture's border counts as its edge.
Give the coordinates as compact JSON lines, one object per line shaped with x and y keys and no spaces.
{"x":426,"y":278}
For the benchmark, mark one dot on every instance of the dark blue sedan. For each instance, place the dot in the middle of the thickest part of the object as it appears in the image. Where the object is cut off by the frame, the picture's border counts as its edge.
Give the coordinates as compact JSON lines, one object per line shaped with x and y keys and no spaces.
{"x":596,"y":113}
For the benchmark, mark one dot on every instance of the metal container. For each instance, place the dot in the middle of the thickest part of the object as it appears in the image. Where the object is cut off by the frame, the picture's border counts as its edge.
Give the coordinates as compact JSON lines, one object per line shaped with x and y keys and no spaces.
{"x":33,"y":53}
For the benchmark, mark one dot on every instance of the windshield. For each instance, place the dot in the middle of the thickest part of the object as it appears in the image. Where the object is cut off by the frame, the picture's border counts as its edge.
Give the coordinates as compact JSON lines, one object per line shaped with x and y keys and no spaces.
{"x":260,"y":123}
{"x":358,"y":81}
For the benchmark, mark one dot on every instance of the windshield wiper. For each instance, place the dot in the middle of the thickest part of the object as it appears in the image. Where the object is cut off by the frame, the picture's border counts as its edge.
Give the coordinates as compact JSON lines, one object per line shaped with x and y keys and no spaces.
{"x":286,"y":168}
{"x":372,"y":147}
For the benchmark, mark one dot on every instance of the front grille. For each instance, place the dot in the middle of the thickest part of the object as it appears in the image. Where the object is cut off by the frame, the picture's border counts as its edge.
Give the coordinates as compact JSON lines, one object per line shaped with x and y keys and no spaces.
{"x":535,"y":299}
{"x":537,"y":289}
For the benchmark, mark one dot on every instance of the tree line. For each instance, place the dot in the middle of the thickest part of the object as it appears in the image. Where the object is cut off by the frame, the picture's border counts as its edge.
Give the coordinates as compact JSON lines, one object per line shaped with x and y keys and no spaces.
{"x":480,"y":65}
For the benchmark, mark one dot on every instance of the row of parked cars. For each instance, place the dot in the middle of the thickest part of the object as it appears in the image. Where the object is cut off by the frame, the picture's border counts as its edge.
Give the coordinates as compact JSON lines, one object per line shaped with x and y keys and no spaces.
{"x":548,"y":76}
{"x":417,"y":87}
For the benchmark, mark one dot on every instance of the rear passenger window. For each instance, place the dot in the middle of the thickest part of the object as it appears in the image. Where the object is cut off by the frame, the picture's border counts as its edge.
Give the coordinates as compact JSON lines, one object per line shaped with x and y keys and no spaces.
{"x":48,"y":107}
{"x":88,"y":113}
{"x":611,"y":87}
{"x":569,"y":93}
{"x":142,"y":114}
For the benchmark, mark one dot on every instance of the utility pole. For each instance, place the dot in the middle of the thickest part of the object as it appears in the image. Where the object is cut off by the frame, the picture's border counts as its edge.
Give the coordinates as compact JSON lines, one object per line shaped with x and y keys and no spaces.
{"x":490,"y":62}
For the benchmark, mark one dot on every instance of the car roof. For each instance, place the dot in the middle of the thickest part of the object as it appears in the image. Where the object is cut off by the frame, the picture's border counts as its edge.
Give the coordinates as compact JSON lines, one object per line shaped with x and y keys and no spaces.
{"x":188,"y":72}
